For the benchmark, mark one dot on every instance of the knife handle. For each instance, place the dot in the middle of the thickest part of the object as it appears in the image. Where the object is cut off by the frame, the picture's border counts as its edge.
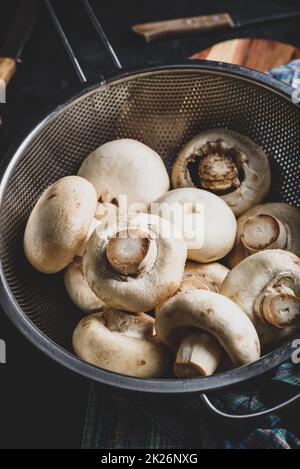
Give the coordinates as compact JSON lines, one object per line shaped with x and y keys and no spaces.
{"x":8,"y":68}
{"x":159,"y":29}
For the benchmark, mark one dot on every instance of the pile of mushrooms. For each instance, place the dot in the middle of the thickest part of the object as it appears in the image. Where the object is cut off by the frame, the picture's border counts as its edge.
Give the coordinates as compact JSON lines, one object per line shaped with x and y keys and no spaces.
{"x":151,"y":281}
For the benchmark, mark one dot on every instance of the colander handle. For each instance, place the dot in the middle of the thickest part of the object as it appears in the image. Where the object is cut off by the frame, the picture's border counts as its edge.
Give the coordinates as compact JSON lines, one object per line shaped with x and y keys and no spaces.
{"x":70,"y":51}
{"x":263,"y":413}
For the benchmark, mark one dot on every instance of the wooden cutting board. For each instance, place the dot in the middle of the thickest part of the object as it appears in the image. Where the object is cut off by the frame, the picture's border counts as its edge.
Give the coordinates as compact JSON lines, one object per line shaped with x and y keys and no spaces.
{"x":260,"y":54}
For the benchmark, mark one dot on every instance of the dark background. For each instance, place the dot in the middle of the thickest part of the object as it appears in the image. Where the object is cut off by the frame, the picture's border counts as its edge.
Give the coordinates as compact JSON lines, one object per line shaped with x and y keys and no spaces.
{"x":42,"y":405}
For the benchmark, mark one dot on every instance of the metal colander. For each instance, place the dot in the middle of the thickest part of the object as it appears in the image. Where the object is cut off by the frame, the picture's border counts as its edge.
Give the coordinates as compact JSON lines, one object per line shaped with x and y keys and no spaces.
{"x":162,"y":107}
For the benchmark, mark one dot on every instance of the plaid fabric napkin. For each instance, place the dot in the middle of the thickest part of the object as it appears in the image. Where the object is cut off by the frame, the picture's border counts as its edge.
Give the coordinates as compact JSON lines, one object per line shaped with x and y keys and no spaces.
{"x":289,"y":73}
{"x":117,"y":419}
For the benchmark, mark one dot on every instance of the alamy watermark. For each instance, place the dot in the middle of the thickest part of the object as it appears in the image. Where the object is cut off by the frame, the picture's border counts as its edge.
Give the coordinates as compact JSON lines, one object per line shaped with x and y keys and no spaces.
{"x":296,"y":92}
{"x":2,"y":92}
{"x":296,"y":353}
{"x":2,"y":352}
{"x":186,"y":220}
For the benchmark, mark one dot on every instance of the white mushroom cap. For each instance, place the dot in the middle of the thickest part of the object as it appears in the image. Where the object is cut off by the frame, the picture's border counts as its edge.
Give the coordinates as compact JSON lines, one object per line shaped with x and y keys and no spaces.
{"x":78,"y":289}
{"x":213,"y":313}
{"x":59,"y":223}
{"x":226,"y":163}
{"x":266,"y":285}
{"x":136,"y":265}
{"x":121,"y":342}
{"x":207,"y":223}
{"x":266,"y":226}
{"x":126,"y":167}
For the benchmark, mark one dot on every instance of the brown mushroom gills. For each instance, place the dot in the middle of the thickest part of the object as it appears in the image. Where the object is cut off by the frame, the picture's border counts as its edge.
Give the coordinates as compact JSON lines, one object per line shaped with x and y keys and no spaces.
{"x":131,"y":251}
{"x":217,"y":167}
{"x":264,"y":232}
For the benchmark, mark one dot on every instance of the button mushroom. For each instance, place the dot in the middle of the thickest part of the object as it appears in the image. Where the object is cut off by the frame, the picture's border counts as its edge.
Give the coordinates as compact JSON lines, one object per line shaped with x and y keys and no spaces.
{"x":202,"y":217}
{"x":266,"y":286}
{"x":136,"y":265}
{"x":59,"y":223}
{"x":126,"y":167}
{"x":199,"y":353}
{"x":121,"y":342}
{"x":266,"y":226}
{"x":227,"y":164}
{"x":209,"y":312}
{"x":78,"y":289}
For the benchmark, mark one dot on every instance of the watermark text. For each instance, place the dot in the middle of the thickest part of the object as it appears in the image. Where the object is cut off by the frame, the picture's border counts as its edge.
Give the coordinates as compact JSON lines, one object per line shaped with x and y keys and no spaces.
{"x":2,"y":352}
{"x":2,"y":91}
{"x":296,"y":353}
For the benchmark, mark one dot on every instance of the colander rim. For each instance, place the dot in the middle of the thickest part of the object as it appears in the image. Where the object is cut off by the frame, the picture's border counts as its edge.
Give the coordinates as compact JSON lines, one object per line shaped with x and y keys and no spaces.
{"x":67,"y":359}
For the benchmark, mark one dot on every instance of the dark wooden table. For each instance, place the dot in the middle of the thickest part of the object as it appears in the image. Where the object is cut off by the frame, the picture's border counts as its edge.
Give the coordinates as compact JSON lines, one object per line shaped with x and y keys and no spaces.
{"x":42,"y":405}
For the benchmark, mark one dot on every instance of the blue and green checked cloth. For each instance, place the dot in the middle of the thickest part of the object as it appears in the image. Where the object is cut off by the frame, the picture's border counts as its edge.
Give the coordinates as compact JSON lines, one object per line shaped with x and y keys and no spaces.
{"x":289,"y":73}
{"x":117,"y":419}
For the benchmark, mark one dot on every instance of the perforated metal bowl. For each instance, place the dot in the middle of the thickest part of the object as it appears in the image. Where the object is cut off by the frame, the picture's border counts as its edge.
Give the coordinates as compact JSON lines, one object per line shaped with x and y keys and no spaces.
{"x":162,"y":107}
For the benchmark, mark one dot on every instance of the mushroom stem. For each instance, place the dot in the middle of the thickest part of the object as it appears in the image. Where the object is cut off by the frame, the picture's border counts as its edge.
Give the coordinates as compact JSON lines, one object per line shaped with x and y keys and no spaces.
{"x":281,"y":307}
{"x":264,"y":232}
{"x":131,"y":251}
{"x":131,"y":325}
{"x":199,"y":354}
{"x":218,"y":172}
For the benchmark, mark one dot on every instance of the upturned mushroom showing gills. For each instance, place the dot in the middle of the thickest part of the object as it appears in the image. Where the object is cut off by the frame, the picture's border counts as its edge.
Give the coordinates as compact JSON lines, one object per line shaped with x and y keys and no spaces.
{"x":266,"y":226}
{"x":121,"y":342}
{"x":199,"y":353}
{"x":78,"y":289}
{"x":137,"y":264}
{"x":266,"y":286}
{"x":207,"y":224}
{"x":227,"y":164}
{"x":59,"y":223}
{"x":126,"y":167}
{"x":211,"y":313}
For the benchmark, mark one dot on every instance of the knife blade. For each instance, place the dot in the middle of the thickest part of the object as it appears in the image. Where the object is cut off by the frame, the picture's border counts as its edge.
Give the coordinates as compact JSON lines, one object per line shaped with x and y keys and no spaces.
{"x":197,"y":24}
{"x":20,"y":30}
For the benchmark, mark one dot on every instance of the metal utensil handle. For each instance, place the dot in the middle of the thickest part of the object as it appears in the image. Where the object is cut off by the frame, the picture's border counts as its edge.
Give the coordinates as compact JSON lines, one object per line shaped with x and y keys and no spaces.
{"x":70,"y":51}
{"x":66,"y":42}
{"x":262,"y":413}
{"x":112,"y":54}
